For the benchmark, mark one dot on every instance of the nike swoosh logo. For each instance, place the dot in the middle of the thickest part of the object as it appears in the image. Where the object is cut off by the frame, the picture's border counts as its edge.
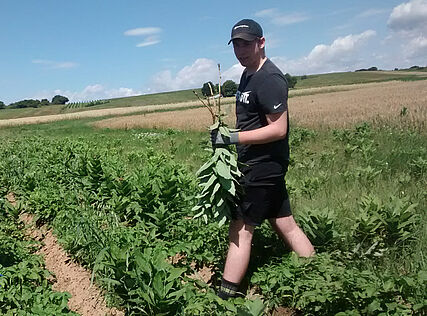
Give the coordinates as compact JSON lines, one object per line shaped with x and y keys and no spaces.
{"x":276,"y":106}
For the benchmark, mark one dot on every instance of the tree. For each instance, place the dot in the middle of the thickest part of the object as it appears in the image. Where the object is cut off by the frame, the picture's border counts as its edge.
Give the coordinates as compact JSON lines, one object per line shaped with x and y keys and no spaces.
{"x":59,"y":99}
{"x":25,"y":104}
{"x":44,"y":102}
{"x":229,"y":88}
{"x":2,"y":106}
{"x":292,"y":81}
{"x":206,"y":91}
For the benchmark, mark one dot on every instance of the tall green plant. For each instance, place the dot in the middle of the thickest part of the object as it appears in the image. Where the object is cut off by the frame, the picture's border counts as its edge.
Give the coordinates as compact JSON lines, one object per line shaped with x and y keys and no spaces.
{"x":219,"y":176}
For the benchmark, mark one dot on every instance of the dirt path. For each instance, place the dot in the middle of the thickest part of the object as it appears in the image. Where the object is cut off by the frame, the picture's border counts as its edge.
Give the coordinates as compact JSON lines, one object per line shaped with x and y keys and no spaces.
{"x":86,"y":299}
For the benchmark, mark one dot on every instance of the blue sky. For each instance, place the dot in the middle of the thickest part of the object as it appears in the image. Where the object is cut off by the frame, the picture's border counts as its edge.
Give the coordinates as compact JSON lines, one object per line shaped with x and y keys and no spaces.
{"x":96,"y":49}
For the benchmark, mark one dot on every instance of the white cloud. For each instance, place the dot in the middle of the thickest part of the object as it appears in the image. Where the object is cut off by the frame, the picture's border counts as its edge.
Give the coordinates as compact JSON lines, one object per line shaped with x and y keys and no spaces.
{"x":342,"y":55}
{"x":150,"y":34}
{"x":416,"y":50}
{"x":409,"y":16}
{"x":340,"y":48}
{"x":91,"y":92}
{"x":372,"y":12}
{"x":201,"y":71}
{"x":55,"y":64}
{"x":280,"y":18}
{"x":143,"y":31}
{"x":233,"y":73}
{"x":266,"y":13}
{"x":408,"y":21}
{"x":148,"y":42}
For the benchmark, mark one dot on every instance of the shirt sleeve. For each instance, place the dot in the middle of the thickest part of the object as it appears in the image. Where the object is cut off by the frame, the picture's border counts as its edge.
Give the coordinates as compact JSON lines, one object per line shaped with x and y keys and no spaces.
{"x":273,"y":94}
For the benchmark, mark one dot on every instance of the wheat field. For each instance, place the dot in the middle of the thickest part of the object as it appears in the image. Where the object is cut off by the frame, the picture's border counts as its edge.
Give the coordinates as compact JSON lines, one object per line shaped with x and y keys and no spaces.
{"x":400,"y":103}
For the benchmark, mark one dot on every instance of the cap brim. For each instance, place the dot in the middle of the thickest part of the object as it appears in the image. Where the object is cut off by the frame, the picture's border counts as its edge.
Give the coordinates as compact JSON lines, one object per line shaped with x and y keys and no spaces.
{"x":243,"y":36}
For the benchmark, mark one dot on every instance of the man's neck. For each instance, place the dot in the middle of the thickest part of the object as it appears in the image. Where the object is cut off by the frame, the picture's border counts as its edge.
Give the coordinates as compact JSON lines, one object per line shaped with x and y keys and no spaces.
{"x":252,"y":70}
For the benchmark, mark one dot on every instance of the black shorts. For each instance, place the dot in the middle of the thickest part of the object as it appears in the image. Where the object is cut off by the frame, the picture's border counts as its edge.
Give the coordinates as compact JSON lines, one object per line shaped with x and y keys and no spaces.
{"x":265,"y":195}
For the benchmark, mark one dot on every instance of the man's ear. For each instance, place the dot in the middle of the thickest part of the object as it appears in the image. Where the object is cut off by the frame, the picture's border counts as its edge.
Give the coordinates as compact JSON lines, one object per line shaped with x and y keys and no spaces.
{"x":261,"y":42}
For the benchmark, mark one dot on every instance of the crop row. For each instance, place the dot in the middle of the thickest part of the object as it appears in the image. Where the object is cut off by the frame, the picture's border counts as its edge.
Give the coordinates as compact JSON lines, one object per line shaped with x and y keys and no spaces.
{"x":85,"y":104}
{"x":25,"y":288}
{"x":126,"y":215}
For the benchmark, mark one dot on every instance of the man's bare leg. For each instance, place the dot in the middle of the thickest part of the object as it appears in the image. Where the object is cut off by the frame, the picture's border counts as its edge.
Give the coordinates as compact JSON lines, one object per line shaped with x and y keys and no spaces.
{"x":294,"y":237}
{"x":238,"y":256}
{"x":239,"y":251}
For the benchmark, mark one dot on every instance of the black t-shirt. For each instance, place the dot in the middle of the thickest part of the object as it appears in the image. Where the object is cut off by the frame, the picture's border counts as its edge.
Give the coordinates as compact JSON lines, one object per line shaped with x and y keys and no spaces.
{"x":261,"y":93}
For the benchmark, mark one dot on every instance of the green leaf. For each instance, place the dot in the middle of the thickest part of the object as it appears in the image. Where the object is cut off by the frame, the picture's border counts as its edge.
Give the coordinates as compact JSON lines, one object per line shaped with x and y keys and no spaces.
{"x":158,"y":284}
{"x":222,"y":221}
{"x":205,"y":167}
{"x":210,"y":182}
{"x":224,"y":131}
{"x":214,"y":126}
{"x":175,"y":273}
{"x":223,"y":170}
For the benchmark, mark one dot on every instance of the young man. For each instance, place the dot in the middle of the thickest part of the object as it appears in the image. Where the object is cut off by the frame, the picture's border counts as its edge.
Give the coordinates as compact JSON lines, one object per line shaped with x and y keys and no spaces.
{"x":262,"y":145}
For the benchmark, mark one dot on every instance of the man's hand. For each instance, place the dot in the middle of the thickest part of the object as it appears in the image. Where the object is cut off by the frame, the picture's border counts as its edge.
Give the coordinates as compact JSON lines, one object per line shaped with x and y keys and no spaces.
{"x":218,"y":139}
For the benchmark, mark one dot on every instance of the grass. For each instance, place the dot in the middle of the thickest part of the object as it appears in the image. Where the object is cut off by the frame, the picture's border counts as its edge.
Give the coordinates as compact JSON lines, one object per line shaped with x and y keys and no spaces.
{"x":142,"y":100}
{"x":348,"y":78}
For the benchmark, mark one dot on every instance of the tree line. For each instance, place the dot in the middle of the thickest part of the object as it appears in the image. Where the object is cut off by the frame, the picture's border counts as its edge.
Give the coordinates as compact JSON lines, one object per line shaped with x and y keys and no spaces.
{"x":32,"y":103}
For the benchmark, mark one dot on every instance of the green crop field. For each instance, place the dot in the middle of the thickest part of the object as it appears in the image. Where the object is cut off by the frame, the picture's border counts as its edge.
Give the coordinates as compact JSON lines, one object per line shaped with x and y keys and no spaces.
{"x":347,"y":78}
{"x":120,"y":203}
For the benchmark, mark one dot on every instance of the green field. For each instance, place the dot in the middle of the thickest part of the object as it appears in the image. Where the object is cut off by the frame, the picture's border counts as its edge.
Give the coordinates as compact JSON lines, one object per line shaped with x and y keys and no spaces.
{"x":347,"y":78}
{"x":149,"y":99}
{"x":120,"y":203}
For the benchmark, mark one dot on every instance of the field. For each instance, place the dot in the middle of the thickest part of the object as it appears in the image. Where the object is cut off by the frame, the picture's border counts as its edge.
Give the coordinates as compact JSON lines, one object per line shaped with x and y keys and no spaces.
{"x":331,"y":107}
{"x":322,"y":82}
{"x":117,"y":192}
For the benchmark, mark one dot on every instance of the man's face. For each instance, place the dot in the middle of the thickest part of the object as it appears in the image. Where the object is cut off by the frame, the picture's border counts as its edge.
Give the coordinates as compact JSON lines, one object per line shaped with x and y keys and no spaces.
{"x":248,"y":53}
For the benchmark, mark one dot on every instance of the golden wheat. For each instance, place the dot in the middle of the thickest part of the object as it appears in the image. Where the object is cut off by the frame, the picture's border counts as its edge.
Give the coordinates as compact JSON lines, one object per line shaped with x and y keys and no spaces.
{"x":393,"y":102}
{"x":100,"y":113}
{"x":379,"y":103}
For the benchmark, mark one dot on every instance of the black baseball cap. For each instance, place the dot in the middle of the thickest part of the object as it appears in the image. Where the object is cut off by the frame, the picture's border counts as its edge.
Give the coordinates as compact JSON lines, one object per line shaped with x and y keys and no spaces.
{"x":246,"y":29}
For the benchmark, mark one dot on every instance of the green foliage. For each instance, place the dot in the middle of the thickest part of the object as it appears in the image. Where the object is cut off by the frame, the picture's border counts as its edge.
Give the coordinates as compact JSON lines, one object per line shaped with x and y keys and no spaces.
{"x":121,"y":205}
{"x":59,"y":99}
{"x":299,"y":135}
{"x":25,"y":104}
{"x":219,"y":181}
{"x":24,"y":285}
{"x":291,"y":80}
{"x":325,"y":285}
{"x":320,"y":226}
{"x":380,"y":225}
{"x":44,"y":102}
{"x":229,"y":88}
{"x":2,"y":105}
{"x":208,"y":89}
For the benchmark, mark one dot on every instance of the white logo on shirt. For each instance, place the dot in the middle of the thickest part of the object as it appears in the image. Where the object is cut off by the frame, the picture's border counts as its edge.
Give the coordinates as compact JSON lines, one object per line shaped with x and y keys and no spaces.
{"x":243,"y":97}
{"x":277,"y":105}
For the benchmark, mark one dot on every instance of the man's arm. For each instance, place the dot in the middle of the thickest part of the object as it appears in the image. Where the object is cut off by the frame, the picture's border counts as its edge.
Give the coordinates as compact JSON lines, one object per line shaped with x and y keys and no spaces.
{"x":276,"y":129}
